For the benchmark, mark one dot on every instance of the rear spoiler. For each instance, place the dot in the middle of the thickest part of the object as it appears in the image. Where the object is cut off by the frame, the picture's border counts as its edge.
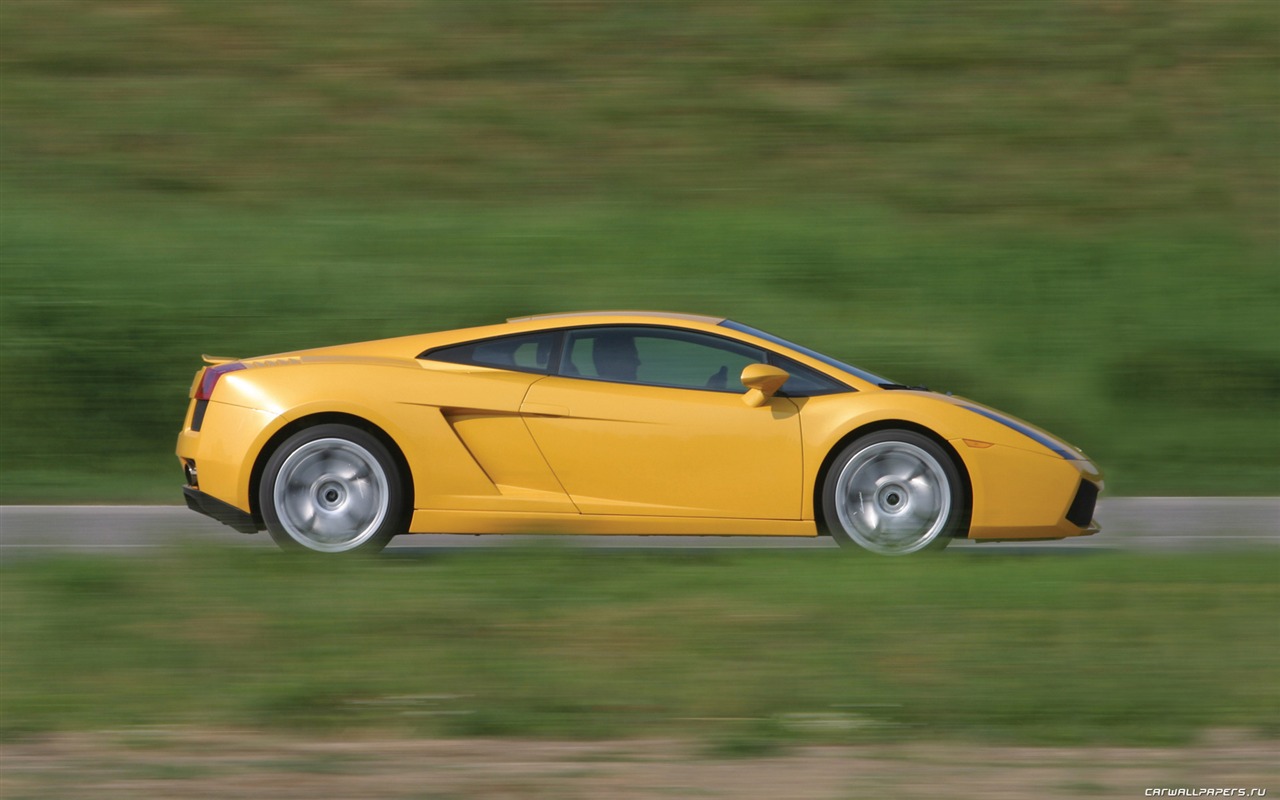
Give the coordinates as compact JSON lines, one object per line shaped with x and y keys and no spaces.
{"x":208,"y":359}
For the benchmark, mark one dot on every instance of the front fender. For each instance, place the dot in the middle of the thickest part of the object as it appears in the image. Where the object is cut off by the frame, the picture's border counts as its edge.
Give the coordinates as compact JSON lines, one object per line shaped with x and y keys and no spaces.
{"x":1019,"y":487}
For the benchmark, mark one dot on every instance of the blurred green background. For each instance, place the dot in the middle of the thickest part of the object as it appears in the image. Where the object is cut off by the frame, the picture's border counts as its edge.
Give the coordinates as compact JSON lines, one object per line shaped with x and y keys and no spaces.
{"x":1066,"y":209}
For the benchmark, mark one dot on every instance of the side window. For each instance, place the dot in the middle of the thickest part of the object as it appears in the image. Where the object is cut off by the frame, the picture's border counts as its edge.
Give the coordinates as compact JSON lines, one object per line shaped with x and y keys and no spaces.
{"x":804,"y":381}
{"x":658,"y":357}
{"x":528,"y":352}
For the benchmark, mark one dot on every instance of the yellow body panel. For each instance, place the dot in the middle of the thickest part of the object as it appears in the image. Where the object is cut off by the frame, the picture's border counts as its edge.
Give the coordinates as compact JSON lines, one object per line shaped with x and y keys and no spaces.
{"x":1021,"y":495}
{"x":652,"y":451}
{"x":1019,"y":489}
{"x":224,"y":470}
{"x":492,"y":450}
{"x":429,"y":521}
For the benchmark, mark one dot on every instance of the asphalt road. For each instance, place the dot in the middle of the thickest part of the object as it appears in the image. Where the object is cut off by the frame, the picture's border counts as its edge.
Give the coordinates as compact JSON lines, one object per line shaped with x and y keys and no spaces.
{"x":1129,"y":523}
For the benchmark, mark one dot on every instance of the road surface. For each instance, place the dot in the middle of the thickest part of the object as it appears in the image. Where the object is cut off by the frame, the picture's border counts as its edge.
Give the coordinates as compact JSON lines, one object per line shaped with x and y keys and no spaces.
{"x":1159,"y":523}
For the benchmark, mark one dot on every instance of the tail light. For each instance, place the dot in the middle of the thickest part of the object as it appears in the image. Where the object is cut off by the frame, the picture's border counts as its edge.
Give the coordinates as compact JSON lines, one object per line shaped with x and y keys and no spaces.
{"x":210,"y":378}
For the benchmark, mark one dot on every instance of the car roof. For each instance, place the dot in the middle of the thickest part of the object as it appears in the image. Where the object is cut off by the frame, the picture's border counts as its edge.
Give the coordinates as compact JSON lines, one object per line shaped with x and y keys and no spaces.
{"x":655,"y":314}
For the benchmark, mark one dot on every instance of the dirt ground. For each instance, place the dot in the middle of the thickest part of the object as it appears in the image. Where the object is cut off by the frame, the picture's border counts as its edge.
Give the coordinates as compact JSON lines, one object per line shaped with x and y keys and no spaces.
{"x":204,"y":765}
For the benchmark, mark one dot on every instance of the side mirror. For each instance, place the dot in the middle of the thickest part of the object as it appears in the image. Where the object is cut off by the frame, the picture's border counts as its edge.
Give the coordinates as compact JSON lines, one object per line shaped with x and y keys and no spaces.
{"x":761,"y":380}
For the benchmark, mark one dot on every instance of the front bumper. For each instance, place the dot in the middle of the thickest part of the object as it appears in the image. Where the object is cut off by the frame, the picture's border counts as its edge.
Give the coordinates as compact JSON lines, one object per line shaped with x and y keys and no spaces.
{"x":1020,"y":495}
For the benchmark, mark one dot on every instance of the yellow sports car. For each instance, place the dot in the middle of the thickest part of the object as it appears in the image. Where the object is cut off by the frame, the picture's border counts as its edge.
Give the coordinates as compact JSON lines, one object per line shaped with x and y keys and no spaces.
{"x":612,"y":423}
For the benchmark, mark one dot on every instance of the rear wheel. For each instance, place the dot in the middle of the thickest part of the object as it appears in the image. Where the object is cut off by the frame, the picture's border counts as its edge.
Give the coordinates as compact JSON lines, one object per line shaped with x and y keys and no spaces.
{"x":894,"y":492}
{"x":333,"y":489}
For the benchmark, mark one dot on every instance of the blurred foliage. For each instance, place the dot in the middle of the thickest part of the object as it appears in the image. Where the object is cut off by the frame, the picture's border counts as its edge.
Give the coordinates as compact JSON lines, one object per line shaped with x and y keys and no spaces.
{"x":1067,"y":209}
{"x":747,"y":650}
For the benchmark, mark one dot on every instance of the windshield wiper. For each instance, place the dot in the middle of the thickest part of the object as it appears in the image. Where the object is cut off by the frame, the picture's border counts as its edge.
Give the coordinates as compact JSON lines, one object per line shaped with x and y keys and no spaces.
{"x":904,"y":386}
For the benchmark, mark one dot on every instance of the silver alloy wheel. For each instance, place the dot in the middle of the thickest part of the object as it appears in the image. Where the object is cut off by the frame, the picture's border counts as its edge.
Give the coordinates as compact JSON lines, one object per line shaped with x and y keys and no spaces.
{"x":331,"y":495}
{"x":893,"y":498}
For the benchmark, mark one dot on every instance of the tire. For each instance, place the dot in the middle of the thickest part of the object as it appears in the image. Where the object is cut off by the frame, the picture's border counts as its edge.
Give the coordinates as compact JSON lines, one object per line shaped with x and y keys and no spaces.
{"x":894,"y":492}
{"x":333,"y":489}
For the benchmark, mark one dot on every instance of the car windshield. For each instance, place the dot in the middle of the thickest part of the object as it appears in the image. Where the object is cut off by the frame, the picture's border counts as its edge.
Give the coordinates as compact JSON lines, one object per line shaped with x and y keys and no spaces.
{"x":869,"y":377}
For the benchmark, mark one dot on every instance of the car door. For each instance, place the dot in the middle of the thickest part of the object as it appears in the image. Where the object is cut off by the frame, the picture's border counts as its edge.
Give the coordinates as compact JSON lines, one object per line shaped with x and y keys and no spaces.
{"x":647,"y":420}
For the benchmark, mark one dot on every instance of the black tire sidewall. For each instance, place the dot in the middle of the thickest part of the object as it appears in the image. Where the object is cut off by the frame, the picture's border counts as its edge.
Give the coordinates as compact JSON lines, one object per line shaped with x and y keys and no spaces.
{"x":396,"y":519}
{"x":959,"y":498}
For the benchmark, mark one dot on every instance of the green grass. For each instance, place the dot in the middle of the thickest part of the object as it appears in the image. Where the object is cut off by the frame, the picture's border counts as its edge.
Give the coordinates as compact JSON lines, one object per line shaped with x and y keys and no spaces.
{"x":747,"y":651}
{"x":1065,"y":209}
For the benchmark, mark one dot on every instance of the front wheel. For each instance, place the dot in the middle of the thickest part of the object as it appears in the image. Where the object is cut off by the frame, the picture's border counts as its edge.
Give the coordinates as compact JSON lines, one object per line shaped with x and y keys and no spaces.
{"x":894,"y":492}
{"x":332,"y":489}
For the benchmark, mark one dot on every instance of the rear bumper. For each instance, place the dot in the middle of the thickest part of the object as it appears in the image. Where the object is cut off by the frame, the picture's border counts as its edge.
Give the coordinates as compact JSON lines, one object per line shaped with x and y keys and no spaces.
{"x":224,"y":450}
{"x":225,"y":513}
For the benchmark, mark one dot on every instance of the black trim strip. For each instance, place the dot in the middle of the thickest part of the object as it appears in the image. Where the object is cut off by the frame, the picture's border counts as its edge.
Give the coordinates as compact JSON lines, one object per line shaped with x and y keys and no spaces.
{"x":1081,"y":512}
{"x":225,"y":513}
{"x":197,"y":414}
